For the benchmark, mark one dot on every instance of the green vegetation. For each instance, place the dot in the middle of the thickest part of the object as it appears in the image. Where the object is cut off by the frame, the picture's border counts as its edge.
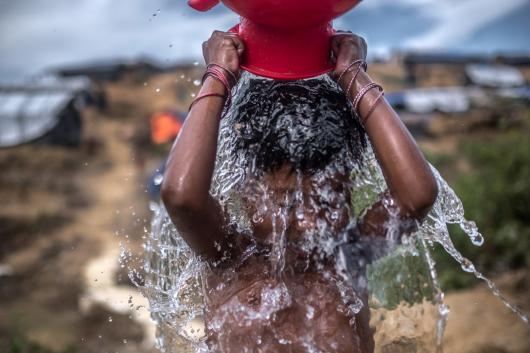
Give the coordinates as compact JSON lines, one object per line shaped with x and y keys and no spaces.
{"x":400,"y":277}
{"x":495,"y":192}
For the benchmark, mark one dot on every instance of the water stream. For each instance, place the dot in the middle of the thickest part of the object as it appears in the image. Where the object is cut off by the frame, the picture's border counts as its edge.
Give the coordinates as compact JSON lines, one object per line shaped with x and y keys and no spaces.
{"x":304,"y":225}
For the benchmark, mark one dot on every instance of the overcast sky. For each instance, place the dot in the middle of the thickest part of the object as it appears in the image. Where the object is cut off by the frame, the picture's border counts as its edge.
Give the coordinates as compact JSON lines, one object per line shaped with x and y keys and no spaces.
{"x":37,"y":34}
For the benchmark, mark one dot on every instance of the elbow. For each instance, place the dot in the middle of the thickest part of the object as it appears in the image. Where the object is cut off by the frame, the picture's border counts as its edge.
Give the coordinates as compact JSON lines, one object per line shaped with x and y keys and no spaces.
{"x":422,"y":201}
{"x":178,"y":199}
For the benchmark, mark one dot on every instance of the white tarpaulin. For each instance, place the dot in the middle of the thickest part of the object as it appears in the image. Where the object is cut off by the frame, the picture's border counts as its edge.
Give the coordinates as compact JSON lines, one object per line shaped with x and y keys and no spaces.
{"x":445,"y":100}
{"x":494,"y":75}
{"x":30,"y":109}
{"x":25,"y":116}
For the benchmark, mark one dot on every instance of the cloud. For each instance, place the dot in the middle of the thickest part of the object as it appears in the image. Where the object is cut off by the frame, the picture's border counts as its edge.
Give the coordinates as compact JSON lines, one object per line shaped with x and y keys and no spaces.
{"x":463,"y":25}
{"x":457,"y":20}
{"x":36,"y":34}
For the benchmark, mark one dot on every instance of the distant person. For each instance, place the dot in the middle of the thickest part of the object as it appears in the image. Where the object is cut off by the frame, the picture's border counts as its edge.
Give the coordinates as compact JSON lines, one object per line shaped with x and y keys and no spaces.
{"x":300,"y":169}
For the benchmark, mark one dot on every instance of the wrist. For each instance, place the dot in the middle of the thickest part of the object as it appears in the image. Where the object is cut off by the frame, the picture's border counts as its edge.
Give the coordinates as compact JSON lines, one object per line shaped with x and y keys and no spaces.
{"x":213,"y":85}
{"x":360,"y":78}
{"x":361,"y":81}
{"x":349,"y":73}
{"x":223,"y":72}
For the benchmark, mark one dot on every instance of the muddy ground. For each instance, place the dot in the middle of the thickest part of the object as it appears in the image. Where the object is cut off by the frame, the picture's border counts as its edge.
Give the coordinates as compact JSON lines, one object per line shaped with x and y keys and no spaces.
{"x":65,"y":212}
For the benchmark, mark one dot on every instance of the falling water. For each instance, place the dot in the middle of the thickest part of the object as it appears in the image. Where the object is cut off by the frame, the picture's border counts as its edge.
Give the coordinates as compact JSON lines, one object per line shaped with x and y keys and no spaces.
{"x":393,"y":276}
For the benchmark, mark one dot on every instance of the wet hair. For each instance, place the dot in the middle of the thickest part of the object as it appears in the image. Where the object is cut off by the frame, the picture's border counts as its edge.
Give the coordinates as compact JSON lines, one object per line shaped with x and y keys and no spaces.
{"x":305,"y":122}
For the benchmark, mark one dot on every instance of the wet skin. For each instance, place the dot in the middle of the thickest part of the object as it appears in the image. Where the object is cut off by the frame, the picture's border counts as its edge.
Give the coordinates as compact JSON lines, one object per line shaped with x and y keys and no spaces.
{"x":200,"y":220}
{"x":316,"y":313}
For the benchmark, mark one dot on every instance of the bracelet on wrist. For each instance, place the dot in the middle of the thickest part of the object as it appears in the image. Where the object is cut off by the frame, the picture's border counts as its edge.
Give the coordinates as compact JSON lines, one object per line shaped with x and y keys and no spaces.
{"x":372,"y":107}
{"x":233,"y":76}
{"x":354,"y":77}
{"x":360,"y":62}
{"x":362,"y":92}
{"x":227,"y":78}
{"x":206,"y":96}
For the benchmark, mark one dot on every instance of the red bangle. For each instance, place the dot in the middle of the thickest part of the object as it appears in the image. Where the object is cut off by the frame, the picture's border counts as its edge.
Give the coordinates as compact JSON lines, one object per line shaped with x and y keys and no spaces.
{"x":219,"y":75}
{"x":217,"y":72}
{"x":205,"y":96}
{"x":233,"y":75}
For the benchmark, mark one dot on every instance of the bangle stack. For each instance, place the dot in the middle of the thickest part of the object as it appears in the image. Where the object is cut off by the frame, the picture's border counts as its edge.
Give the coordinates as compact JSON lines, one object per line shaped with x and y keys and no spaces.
{"x":223,"y":75}
{"x":359,"y":62}
{"x":356,"y":102}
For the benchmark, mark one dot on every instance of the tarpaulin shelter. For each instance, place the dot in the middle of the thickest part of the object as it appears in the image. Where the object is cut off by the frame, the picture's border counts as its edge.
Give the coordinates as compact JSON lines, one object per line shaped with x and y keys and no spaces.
{"x":116,"y":69}
{"x":494,"y":76}
{"x":165,"y":126}
{"x":46,"y":110}
{"x":445,"y":100}
{"x":515,"y":93}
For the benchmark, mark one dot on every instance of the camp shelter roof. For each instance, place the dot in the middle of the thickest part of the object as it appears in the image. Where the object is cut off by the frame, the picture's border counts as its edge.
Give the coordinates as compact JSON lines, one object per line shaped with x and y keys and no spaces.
{"x":113,"y":68}
{"x":78,"y":83}
{"x":515,"y":92}
{"x":445,"y":100}
{"x":28,"y":111}
{"x":494,"y":75}
{"x":443,"y":57}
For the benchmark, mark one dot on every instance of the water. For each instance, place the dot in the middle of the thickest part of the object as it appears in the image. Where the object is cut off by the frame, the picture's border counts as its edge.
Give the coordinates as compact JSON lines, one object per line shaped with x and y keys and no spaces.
{"x":302,"y":228}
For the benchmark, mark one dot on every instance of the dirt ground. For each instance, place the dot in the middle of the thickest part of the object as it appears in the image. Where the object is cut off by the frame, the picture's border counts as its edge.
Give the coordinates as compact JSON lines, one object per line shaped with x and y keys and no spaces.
{"x":66,"y":211}
{"x":480,"y":323}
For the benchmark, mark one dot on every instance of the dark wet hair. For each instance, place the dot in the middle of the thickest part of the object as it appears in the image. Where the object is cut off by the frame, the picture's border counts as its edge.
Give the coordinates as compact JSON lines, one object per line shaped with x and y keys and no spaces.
{"x":304,"y":122}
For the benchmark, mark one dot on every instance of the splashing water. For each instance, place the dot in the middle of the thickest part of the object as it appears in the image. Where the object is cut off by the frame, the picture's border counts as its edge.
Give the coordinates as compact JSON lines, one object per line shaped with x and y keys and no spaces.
{"x":306,"y":257}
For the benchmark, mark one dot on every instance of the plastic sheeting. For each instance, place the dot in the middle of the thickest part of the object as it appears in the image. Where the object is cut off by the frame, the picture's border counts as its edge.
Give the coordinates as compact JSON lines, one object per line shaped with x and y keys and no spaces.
{"x":27,"y":115}
{"x":496,"y":76}
{"x":445,"y":100}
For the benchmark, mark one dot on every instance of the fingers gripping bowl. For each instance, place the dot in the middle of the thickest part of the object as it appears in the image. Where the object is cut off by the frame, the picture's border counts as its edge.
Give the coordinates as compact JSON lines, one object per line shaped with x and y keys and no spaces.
{"x":288,"y":39}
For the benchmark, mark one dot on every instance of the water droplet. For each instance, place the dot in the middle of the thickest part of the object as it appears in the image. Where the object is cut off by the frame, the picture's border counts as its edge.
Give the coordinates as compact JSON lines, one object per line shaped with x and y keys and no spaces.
{"x":110,"y":318}
{"x":197,"y":82}
{"x":158,"y":179}
{"x":299,"y":214}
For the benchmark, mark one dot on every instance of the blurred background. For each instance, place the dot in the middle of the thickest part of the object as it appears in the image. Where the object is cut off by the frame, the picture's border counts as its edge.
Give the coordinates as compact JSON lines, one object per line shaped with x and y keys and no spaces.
{"x":93,"y":92}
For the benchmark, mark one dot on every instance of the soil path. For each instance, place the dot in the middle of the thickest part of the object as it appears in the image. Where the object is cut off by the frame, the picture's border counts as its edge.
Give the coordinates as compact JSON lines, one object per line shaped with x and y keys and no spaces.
{"x":480,"y":323}
{"x":60,"y":284}
{"x":117,"y":194}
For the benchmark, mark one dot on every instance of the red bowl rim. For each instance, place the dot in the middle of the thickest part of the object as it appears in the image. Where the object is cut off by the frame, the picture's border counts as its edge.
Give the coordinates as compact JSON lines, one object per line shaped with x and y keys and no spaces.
{"x":280,"y":75}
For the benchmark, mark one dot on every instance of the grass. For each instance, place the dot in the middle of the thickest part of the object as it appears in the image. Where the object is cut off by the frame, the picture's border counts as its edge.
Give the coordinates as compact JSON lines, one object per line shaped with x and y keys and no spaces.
{"x":496,"y":195}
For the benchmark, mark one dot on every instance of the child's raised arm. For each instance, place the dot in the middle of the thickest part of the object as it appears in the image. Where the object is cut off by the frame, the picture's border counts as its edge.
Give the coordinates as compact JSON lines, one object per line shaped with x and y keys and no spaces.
{"x":185,"y":190}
